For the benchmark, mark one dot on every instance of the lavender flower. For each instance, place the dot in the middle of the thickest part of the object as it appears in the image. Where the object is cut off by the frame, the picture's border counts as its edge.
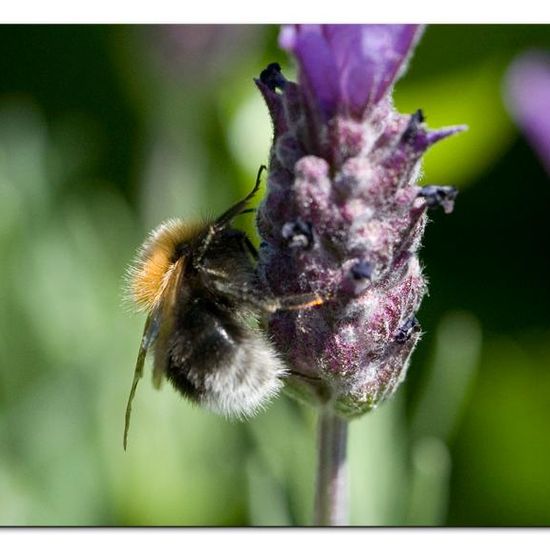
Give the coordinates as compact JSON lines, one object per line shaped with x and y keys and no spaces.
{"x":528,"y":91}
{"x":343,"y":216}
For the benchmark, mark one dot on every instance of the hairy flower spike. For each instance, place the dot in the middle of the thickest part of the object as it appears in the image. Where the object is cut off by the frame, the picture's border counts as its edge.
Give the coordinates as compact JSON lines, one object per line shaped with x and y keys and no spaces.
{"x":343,"y":216}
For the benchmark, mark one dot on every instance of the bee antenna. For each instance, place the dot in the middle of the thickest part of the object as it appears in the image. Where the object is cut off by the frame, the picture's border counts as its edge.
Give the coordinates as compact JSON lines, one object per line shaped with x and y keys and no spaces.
{"x":247,"y":211}
{"x":261,"y":169}
{"x":221,"y":223}
{"x":238,"y":208}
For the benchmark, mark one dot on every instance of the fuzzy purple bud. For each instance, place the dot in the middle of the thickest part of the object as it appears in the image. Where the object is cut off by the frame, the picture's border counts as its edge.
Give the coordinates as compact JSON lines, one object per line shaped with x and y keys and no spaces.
{"x":528,"y":91}
{"x":343,"y":216}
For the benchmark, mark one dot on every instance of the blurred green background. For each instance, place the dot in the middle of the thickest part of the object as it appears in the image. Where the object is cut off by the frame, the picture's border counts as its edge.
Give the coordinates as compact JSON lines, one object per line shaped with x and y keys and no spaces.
{"x":107,"y":130}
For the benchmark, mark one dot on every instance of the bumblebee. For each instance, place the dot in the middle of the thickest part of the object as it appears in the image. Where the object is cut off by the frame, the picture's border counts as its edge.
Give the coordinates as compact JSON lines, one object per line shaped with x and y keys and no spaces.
{"x":198,"y":285}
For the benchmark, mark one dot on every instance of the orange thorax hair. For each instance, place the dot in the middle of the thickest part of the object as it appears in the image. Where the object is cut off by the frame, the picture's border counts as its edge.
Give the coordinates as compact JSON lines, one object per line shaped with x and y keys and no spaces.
{"x":155,"y":265}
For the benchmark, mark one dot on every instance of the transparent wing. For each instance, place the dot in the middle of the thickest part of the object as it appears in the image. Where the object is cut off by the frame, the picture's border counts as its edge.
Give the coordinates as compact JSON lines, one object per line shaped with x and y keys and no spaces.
{"x":150,"y":334}
{"x":167,"y":309}
{"x":158,"y":327}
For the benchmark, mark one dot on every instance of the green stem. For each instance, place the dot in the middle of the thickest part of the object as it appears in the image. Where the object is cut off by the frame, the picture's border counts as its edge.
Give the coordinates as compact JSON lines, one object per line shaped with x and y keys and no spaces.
{"x":331,"y":498}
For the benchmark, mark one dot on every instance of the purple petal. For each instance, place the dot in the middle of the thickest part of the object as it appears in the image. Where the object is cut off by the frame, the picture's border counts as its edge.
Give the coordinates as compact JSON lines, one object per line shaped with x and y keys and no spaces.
{"x":528,"y":90}
{"x":349,"y":68}
{"x":318,"y":71}
{"x":369,"y":58}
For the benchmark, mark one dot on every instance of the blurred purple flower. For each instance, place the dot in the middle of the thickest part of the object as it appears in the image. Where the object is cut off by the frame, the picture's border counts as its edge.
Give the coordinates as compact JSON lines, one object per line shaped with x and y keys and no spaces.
{"x":199,"y":53}
{"x":528,"y":95}
{"x":343,"y":216}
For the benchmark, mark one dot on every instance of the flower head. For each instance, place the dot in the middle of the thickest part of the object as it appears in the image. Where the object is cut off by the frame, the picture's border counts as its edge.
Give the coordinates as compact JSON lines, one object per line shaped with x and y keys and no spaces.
{"x":343,"y":216}
{"x":528,"y":91}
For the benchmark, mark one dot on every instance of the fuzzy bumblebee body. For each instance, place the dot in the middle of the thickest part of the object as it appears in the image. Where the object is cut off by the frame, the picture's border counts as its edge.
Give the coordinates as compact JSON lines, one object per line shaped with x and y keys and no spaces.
{"x":198,"y":285}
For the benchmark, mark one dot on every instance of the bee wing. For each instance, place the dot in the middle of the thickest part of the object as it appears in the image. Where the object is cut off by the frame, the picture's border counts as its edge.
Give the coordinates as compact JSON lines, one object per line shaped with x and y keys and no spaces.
{"x":158,"y":327}
{"x":150,"y":334}
{"x":161,"y":349}
{"x":167,"y":308}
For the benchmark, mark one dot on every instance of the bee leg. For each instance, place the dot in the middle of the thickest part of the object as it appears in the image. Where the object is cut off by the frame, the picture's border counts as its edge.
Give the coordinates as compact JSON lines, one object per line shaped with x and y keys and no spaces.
{"x":272,"y":304}
{"x":244,"y":241}
{"x":257,"y":298}
{"x":220,"y":224}
{"x":238,"y":208}
{"x":306,"y":376}
{"x":197,"y":258}
{"x":247,"y":211}
{"x":250,"y":247}
{"x":297,"y":302}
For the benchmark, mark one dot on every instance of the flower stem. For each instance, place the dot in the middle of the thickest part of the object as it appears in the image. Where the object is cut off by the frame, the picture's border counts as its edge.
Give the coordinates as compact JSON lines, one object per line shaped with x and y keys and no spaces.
{"x":331,"y":498}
